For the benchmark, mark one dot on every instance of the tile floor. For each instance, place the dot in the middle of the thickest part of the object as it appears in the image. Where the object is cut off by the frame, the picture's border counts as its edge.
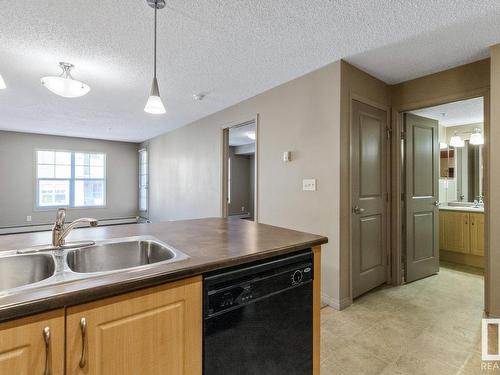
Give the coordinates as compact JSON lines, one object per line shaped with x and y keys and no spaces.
{"x":431,"y":326}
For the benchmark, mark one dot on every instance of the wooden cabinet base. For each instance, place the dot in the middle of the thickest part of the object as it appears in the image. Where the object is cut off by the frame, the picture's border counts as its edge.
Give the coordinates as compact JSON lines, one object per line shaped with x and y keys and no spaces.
{"x":148,"y":332}
{"x":24,"y":343}
{"x":466,"y":259}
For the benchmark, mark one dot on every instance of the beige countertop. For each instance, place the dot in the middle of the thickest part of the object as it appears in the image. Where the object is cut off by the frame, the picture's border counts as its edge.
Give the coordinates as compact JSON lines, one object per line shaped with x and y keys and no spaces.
{"x":211,"y":244}
{"x":462,"y":209}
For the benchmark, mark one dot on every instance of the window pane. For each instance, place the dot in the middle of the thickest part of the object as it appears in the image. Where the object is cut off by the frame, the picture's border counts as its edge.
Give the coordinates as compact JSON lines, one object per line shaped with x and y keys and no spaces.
{"x":82,"y":171}
{"x":45,"y":171}
{"x":81,"y":158}
{"x":89,"y":193}
{"x":45,"y":157}
{"x":143,"y":199}
{"x":96,"y":172}
{"x":53,"y":192}
{"x":63,"y":158}
{"x":63,"y":171}
{"x":97,"y":159}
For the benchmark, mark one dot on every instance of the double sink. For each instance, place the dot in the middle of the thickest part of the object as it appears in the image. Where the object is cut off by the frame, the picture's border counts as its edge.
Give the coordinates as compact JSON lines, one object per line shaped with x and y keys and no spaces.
{"x":18,"y":272}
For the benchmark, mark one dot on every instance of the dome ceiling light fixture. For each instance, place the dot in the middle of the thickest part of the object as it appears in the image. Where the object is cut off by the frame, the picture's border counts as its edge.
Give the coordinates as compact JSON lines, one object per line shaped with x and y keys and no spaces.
{"x":65,"y":85}
{"x":154,"y":104}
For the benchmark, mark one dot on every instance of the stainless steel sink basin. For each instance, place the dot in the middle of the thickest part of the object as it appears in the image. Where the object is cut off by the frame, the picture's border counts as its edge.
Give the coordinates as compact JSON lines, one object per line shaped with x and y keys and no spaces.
{"x":119,"y":255}
{"x":21,"y":270}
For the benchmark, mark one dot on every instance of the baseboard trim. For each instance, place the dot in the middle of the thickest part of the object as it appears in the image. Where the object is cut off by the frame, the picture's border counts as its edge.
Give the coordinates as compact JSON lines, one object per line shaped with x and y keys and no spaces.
{"x":335,"y":303}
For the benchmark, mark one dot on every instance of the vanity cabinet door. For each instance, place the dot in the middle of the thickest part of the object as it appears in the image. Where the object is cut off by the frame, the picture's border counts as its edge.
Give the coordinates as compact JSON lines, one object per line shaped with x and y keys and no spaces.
{"x":33,"y":345}
{"x":455,"y":231}
{"x":477,"y":234}
{"x":152,"y":331}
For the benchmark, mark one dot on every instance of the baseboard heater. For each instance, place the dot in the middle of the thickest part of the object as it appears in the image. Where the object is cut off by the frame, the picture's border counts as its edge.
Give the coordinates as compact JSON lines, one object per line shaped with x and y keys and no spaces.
{"x":44,"y":227}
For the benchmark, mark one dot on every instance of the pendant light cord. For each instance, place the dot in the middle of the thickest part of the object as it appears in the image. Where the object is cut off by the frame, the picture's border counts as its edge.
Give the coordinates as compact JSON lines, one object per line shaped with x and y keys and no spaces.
{"x":156,"y":9}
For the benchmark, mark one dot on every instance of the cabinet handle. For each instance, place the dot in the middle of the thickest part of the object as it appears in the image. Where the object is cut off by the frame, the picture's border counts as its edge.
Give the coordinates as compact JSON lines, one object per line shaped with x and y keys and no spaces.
{"x":83,"y":330}
{"x":46,"y":339}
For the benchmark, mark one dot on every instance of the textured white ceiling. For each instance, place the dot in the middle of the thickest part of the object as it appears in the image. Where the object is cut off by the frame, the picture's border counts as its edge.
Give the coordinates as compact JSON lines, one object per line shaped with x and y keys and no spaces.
{"x":463,"y":112}
{"x":231,"y":50}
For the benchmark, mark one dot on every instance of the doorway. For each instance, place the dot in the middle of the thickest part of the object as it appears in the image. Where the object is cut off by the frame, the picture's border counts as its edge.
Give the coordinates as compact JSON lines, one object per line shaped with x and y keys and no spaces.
{"x":443,"y":178}
{"x":240,"y":171}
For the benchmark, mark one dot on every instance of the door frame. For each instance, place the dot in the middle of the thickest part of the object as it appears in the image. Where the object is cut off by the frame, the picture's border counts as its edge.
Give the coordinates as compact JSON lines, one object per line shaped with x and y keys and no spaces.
{"x":397,"y":169}
{"x":224,"y":167}
{"x":348,"y":209}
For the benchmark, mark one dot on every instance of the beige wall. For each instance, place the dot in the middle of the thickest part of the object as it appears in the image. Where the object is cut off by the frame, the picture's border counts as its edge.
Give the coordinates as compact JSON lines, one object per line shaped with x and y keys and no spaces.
{"x":302,"y":116}
{"x":494,"y":187}
{"x":18,"y":177}
{"x":358,"y":85}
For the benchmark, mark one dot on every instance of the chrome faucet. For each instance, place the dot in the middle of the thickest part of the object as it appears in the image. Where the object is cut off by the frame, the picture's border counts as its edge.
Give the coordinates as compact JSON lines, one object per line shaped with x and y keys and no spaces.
{"x":59,"y":232}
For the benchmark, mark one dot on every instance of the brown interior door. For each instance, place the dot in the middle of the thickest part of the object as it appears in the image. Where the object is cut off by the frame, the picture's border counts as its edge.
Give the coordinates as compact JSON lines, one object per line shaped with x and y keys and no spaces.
{"x":369,"y":197}
{"x":421,"y":196}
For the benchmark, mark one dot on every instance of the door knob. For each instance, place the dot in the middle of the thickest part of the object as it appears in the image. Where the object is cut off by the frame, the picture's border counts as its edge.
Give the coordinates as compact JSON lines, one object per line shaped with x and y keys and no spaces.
{"x":436,"y":203}
{"x":358,"y":210}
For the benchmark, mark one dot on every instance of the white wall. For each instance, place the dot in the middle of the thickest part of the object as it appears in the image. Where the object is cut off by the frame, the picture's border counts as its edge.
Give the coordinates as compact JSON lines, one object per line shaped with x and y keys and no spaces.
{"x":302,"y":116}
{"x":18,"y":177}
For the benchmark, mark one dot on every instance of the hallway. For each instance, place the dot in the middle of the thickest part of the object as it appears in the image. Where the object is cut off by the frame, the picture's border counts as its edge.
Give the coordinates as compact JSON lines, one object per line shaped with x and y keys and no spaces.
{"x":431,"y":326}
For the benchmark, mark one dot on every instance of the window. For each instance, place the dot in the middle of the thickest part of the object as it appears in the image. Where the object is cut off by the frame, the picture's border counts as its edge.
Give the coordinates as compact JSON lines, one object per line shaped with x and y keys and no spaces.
{"x":70,"y":179}
{"x":143,"y":180}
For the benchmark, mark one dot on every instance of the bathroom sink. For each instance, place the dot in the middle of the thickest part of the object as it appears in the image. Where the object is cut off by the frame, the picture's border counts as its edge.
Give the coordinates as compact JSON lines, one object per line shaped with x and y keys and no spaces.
{"x":121,"y":254}
{"x":21,"y":270}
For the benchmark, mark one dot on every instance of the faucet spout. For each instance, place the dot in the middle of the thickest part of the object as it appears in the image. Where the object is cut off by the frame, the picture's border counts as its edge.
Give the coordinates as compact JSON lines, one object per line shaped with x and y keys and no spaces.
{"x":59,"y":232}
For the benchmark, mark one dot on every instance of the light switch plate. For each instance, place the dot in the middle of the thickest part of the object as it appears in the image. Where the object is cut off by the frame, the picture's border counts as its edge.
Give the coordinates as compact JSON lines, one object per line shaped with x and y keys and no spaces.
{"x":28,"y":218}
{"x":309,"y":184}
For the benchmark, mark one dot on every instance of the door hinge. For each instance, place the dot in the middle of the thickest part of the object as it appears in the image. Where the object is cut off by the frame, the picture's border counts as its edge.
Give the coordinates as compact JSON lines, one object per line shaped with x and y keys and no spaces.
{"x":388,"y":132}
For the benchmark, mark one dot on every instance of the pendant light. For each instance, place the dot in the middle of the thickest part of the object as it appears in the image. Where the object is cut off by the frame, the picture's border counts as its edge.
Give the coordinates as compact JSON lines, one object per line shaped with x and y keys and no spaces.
{"x":154,"y":104}
{"x":457,"y":141}
{"x":476,"y":137}
{"x":65,"y":85}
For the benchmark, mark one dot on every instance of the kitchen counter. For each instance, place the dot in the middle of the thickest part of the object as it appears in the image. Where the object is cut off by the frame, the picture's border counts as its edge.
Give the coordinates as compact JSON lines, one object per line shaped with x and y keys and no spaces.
{"x":462,"y":208}
{"x":210,"y":244}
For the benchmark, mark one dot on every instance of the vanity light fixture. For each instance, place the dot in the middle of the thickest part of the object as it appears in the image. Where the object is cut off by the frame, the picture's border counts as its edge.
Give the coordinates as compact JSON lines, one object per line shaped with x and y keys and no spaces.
{"x":154,"y":104}
{"x":457,"y":141}
{"x":65,"y":85}
{"x":2,"y":83}
{"x":476,"y":137}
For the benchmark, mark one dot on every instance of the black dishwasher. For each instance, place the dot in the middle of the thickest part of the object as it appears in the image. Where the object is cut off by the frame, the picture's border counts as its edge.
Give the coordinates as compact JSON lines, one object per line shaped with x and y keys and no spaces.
{"x":258,"y":319}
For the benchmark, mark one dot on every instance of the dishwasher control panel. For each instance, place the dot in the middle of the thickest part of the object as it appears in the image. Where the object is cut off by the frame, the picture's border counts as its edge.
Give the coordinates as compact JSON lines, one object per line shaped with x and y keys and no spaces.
{"x":226,"y":295}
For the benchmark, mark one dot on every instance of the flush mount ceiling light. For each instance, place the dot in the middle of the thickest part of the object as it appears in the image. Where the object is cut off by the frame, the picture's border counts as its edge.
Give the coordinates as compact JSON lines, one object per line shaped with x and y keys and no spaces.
{"x":2,"y":83}
{"x":65,"y":85}
{"x":154,"y":104}
{"x":456,"y":141}
{"x":476,"y":137}
{"x":251,"y":135}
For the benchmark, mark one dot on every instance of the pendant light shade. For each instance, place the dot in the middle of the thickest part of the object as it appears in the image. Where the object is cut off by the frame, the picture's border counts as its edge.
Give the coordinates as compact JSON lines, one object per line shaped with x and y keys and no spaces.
{"x":477,"y":138}
{"x":64,"y":85}
{"x":456,"y":141}
{"x":154,"y":104}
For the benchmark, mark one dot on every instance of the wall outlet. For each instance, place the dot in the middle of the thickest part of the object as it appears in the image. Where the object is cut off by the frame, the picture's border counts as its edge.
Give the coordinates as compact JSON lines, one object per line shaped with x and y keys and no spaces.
{"x":28,"y":218}
{"x":309,"y":184}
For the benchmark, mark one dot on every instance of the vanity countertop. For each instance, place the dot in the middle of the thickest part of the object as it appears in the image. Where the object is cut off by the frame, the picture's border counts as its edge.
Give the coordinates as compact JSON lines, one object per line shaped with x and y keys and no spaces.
{"x":462,"y":208}
{"x":211,"y":244}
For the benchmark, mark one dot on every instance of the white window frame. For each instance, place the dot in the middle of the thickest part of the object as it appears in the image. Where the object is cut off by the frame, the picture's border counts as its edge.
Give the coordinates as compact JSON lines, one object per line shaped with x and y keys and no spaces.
{"x":146,"y":186}
{"x":72,"y":180}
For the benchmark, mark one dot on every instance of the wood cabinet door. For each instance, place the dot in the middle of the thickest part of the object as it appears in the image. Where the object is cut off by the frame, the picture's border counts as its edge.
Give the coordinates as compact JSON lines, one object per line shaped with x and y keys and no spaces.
{"x":32,"y":345}
{"x":477,"y":234}
{"x":455,"y":230}
{"x":148,"y":332}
